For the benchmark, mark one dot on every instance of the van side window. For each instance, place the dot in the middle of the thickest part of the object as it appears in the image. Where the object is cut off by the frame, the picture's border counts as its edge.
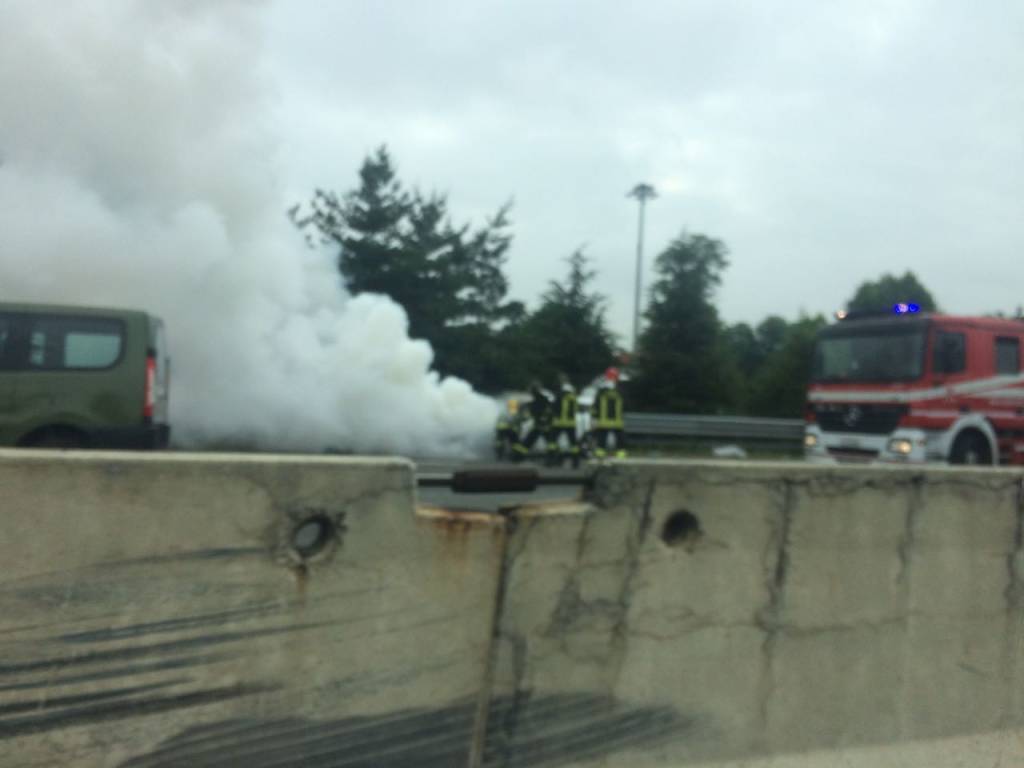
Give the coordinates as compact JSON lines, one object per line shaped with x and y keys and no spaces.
{"x":950,"y":352}
{"x":57,"y":343}
{"x":1007,"y":354}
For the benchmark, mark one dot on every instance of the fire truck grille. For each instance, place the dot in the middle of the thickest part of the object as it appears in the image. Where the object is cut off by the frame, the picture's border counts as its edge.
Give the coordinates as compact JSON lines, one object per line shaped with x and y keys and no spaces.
{"x":862,"y":419}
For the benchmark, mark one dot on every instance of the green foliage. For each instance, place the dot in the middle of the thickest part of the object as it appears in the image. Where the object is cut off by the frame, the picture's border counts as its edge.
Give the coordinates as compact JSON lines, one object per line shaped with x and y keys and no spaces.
{"x":771,"y":335}
{"x":880,"y":295}
{"x":449,"y":280}
{"x":568,"y":332}
{"x":480,"y":355}
{"x":744,"y":347}
{"x":683,"y":363}
{"x":779,"y":387}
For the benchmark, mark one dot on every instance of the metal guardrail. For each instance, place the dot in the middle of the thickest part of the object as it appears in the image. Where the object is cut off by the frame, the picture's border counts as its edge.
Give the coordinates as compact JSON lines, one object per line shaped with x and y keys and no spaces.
{"x":722,"y":427}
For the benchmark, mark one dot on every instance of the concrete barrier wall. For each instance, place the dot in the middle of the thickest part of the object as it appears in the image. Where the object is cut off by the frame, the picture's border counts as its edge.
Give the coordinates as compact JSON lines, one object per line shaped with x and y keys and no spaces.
{"x":181,"y":610}
{"x":154,"y":612}
{"x":701,"y":612}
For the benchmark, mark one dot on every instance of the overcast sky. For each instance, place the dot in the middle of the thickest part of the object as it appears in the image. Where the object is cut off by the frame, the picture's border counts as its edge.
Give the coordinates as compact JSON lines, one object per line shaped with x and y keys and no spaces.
{"x":825,"y":143}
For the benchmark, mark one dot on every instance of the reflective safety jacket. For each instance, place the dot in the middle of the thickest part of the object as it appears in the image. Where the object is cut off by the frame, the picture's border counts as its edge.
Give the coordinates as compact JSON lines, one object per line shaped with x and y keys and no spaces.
{"x":509,"y":418}
{"x":607,"y":410}
{"x":565,"y":411}
{"x":540,"y":409}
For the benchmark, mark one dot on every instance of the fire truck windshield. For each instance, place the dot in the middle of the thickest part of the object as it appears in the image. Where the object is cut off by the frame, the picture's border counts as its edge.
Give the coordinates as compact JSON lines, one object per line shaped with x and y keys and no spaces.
{"x":870,"y":354}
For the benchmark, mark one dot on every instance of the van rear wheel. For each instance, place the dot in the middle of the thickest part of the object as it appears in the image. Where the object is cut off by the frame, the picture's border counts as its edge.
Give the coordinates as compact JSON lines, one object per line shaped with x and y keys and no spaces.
{"x":57,"y":438}
{"x":971,"y":448}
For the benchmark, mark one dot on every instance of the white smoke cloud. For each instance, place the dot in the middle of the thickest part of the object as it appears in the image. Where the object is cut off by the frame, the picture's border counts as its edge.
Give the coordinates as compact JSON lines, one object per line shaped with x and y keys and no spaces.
{"x":137,"y":169}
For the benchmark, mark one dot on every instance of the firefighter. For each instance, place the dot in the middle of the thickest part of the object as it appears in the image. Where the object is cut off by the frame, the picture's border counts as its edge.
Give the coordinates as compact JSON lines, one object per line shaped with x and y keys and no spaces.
{"x":538,"y":424}
{"x":564,"y":423}
{"x":607,"y":418}
{"x":507,"y":429}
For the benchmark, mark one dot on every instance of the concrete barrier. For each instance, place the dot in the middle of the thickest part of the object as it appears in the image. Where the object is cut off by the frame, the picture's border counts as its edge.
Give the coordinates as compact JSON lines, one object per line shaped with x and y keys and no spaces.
{"x":271,"y":611}
{"x":710,"y":612}
{"x":155,"y":611}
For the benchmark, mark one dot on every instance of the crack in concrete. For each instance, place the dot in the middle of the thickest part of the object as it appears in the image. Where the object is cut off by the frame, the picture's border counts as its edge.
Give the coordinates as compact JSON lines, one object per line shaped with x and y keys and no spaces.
{"x":572,"y":612}
{"x":634,"y":545}
{"x":850,"y":626}
{"x":786,"y":631}
{"x":984,"y":483}
{"x":483,"y":703}
{"x":904,"y":550}
{"x":568,"y":608}
{"x":570,"y":605}
{"x":777,"y":583}
{"x":770,"y":617}
{"x":831,"y":483}
{"x":1014,"y":595}
{"x":571,"y":609}
{"x":517,"y":533}
{"x":1014,"y":588}
{"x":581,"y":539}
{"x":697,"y":626}
{"x":728,"y":481}
{"x":973,"y":670}
{"x":500,"y":736}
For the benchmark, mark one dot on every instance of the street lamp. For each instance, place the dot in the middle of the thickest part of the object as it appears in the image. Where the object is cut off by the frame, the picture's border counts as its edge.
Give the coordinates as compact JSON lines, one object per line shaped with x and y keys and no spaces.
{"x":642,"y":192}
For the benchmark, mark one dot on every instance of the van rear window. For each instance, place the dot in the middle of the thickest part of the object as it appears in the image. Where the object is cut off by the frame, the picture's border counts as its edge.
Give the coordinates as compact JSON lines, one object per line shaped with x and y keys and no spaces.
{"x":73,"y":343}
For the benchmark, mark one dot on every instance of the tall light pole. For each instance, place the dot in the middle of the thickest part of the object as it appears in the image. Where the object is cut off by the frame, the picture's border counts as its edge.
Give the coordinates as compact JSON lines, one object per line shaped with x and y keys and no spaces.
{"x":642,"y":192}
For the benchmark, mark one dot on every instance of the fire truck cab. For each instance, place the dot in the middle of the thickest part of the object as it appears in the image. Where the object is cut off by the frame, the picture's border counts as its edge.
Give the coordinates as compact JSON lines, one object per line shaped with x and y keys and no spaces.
{"x":909,"y":387}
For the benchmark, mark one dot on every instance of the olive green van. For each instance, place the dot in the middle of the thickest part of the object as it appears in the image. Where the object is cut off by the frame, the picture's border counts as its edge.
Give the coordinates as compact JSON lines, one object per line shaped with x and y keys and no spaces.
{"x":77,"y":377}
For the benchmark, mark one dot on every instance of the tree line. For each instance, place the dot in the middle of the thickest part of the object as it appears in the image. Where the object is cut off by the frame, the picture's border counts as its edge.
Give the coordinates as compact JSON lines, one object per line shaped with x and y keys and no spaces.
{"x":450,"y":280}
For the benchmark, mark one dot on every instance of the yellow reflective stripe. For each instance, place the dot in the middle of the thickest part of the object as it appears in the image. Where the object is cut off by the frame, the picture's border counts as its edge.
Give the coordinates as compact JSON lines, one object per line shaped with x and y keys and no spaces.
{"x":567,"y":416}
{"x":610,"y":409}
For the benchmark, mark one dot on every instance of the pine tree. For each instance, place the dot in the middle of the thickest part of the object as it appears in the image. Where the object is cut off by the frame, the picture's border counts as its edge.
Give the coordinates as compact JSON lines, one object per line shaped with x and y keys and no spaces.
{"x":568,"y":333}
{"x":683,"y":364}
{"x":449,"y":280}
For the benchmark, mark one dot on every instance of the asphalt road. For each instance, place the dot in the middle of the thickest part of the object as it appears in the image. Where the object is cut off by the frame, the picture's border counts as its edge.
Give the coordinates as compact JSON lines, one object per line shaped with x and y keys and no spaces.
{"x":490,"y":502}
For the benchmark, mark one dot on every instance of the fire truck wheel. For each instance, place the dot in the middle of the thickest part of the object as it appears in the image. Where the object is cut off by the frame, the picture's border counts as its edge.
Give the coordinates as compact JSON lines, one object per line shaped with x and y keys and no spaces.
{"x":970,"y":447}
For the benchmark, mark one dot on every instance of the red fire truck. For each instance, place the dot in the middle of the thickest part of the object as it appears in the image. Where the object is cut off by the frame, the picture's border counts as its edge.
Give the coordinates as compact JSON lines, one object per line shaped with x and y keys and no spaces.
{"x":912,"y":387}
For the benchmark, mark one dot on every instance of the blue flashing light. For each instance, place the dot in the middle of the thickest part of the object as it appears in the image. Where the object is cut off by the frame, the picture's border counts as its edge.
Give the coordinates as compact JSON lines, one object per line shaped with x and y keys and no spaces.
{"x":905,"y":309}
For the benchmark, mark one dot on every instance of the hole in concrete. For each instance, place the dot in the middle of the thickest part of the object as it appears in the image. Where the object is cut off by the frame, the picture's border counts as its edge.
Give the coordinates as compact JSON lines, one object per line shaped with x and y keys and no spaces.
{"x":311,"y":535}
{"x":680,"y":528}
